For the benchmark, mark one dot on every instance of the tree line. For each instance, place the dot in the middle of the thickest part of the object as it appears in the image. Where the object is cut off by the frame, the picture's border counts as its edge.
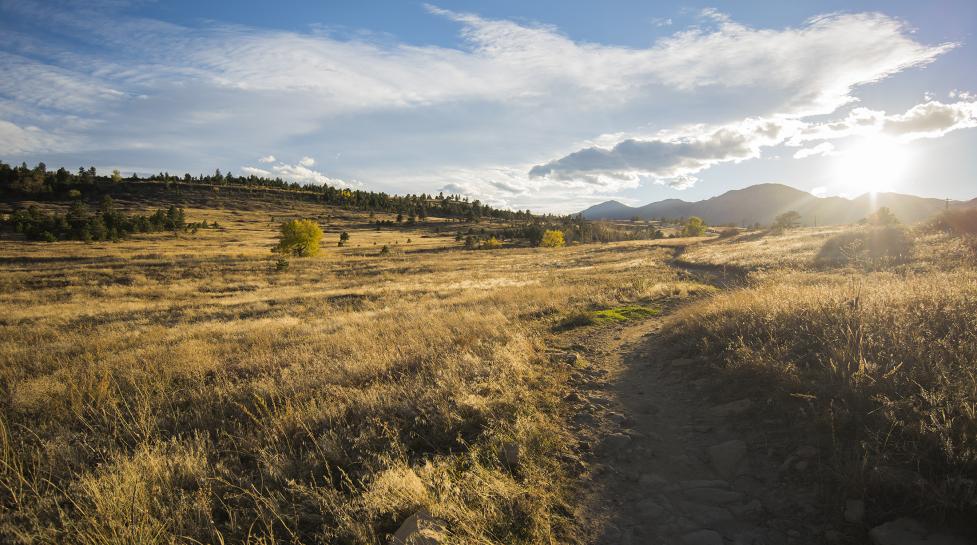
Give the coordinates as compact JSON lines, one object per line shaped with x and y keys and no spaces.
{"x":106,"y":223}
{"x":39,"y":179}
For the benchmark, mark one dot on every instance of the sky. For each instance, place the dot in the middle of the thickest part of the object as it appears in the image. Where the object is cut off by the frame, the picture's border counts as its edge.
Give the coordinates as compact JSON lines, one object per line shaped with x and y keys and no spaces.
{"x":551,"y":105}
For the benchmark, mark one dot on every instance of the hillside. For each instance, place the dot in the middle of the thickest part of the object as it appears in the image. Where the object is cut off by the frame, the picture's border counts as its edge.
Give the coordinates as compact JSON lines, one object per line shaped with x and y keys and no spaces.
{"x":761,"y":203}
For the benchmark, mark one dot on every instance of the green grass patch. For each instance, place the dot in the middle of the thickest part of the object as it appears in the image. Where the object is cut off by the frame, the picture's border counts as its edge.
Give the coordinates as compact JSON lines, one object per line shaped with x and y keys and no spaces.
{"x":624,"y":314}
{"x":581,"y":318}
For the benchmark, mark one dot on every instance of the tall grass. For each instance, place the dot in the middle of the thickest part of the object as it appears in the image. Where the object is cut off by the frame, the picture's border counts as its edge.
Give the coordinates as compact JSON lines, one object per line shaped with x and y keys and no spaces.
{"x":180,"y":390}
{"x":884,"y":363}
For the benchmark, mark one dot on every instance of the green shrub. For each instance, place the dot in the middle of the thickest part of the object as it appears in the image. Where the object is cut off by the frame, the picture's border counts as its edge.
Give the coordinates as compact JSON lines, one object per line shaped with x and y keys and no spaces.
{"x":694,"y":227}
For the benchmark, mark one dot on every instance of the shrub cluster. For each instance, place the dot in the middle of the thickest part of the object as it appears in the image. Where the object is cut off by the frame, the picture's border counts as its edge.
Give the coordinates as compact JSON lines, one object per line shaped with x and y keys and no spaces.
{"x":867,"y":247}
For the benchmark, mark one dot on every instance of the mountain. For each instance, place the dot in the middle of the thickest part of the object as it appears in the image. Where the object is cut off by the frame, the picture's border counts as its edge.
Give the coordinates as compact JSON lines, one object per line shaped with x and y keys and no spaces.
{"x":763,"y":202}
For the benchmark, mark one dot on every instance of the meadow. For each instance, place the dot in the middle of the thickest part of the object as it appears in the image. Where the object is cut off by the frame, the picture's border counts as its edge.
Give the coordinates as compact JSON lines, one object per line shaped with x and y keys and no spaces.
{"x":179,"y":388}
{"x":190,"y":388}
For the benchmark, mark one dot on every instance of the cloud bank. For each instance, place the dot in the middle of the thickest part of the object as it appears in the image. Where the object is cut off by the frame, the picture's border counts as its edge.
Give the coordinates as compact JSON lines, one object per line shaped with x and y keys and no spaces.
{"x":672,"y":160}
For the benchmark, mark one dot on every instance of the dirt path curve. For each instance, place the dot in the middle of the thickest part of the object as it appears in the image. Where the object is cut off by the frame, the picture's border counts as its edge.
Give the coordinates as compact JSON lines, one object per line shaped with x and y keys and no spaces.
{"x":670,"y":464}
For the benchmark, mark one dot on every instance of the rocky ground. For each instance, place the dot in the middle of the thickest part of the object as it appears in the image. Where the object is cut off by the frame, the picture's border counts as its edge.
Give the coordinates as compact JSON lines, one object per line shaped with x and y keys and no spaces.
{"x":674,"y":458}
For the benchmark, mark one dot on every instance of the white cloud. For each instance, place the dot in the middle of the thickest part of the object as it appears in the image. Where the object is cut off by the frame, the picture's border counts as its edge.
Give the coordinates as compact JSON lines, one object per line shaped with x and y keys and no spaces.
{"x":824,"y":148}
{"x":301,"y":173}
{"x":256,"y":171}
{"x":267,"y":159}
{"x":669,"y":160}
{"x":932,"y":119}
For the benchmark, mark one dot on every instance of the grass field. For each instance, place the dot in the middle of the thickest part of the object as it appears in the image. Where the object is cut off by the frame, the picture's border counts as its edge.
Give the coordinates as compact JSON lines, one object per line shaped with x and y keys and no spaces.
{"x":183,"y":389}
{"x":179,"y":389}
{"x":880,"y":357}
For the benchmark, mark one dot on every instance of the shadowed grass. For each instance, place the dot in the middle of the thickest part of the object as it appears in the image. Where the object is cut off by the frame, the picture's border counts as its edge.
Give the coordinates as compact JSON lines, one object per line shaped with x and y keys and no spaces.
{"x":879,"y":359}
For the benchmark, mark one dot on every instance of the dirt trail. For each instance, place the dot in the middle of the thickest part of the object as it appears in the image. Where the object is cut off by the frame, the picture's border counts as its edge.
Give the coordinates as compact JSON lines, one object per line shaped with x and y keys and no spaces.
{"x":670,"y":464}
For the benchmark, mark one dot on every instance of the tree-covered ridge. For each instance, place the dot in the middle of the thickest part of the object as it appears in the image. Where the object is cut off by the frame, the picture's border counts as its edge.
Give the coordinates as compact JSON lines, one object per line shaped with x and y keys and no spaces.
{"x":106,"y":223}
{"x":40,"y":180}
{"x":43,"y":184}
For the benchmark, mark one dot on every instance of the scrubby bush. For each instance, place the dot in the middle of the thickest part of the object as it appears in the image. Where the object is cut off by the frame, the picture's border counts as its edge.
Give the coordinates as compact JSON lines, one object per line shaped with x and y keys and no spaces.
{"x":552,"y":239}
{"x":694,"y":227}
{"x":867,"y":247}
{"x":787,"y":220}
{"x":299,"y":238}
{"x":883,"y":216}
{"x":492,"y":244}
{"x":961,"y":221}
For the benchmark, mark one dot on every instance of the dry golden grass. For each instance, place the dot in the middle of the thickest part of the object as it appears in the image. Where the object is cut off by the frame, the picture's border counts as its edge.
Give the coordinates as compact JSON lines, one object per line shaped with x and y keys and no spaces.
{"x":795,"y":248}
{"x":176,"y":389}
{"x":881,"y":358}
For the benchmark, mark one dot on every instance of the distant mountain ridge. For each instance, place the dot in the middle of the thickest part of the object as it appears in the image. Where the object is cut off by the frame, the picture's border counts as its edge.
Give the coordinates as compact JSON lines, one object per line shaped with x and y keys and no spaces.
{"x":762,"y":203}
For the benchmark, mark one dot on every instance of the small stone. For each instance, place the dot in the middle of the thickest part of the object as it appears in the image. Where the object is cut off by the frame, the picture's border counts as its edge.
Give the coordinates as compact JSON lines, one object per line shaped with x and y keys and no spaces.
{"x":650,"y":408}
{"x":776,"y":537}
{"x":801,"y":466}
{"x":618,"y":418}
{"x":510,"y":453}
{"x":946,"y":539}
{"x":706,"y":514}
{"x":806,"y":452}
{"x":651,"y":480}
{"x":609,"y":534}
{"x":902,"y":531}
{"x":833,"y":536}
{"x":703,"y":537}
{"x":616,"y":442}
{"x":733,"y":408}
{"x":650,"y":509}
{"x":418,"y":529}
{"x":715,"y":496}
{"x":571,"y":358}
{"x":854,"y":511}
{"x":681,"y":362}
{"x":748,"y":537}
{"x":728,"y":458}
{"x":793,"y":533}
{"x":585,"y":419}
{"x":704,"y":483}
{"x":752,"y":507}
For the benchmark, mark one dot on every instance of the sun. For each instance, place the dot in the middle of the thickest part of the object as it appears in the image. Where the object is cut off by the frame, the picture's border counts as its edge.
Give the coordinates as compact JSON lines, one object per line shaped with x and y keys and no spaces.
{"x":872,"y":164}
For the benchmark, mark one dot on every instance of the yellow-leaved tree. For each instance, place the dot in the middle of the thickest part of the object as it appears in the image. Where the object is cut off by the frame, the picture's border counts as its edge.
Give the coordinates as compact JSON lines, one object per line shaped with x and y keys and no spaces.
{"x":552,"y":239}
{"x":299,"y":238}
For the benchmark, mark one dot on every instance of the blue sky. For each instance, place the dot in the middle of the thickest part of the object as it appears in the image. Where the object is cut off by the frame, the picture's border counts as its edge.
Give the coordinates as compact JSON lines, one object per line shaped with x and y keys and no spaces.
{"x":551,"y":106}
